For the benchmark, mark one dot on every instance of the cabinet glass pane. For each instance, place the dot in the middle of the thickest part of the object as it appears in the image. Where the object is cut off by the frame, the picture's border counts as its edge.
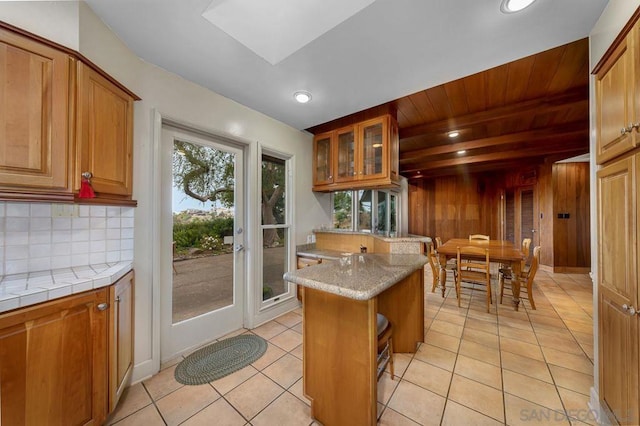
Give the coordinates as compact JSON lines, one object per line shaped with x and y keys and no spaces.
{"x":342,"y":209}
{"x":323,"y":159}
{"x":372,"y":146}
{"x":365,"y":199}
{"x":346,"y":155}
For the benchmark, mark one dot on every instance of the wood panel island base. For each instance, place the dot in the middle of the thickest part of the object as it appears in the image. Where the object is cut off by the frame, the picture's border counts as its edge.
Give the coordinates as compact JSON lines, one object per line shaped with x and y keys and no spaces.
{"x":340,"y":302}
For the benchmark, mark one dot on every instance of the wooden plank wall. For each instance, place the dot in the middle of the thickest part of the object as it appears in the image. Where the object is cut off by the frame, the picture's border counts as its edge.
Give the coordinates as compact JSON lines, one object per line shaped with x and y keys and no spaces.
{"x":454,"y":206}
{"x":571,"y":236}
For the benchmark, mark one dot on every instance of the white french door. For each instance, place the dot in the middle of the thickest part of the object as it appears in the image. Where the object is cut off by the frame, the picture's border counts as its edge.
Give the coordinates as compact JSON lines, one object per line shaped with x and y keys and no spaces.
{"x":202,"y":240}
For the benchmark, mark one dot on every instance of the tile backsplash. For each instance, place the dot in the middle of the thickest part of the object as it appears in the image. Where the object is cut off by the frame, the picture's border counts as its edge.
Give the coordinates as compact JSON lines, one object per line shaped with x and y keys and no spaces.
{"x":41,"y":236}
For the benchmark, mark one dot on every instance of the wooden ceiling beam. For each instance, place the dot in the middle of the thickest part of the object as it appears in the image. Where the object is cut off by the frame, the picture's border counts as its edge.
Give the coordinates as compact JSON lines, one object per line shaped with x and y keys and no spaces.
{"x":570,"y":130}
{"x":540,"y":105}
{"x":568,"y":146}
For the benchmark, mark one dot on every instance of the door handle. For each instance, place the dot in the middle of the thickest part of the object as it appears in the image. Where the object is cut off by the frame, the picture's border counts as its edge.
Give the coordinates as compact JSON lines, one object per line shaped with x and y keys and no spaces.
{"x":239,"y":247}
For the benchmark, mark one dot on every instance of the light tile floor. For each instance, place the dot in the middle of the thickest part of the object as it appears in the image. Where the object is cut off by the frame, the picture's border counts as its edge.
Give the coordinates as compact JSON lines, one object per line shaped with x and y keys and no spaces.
{"x":519,"y":368}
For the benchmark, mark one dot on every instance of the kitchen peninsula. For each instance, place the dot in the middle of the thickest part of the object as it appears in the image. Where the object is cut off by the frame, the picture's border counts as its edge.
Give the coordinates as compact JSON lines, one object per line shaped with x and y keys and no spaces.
{"x":340,"y":303}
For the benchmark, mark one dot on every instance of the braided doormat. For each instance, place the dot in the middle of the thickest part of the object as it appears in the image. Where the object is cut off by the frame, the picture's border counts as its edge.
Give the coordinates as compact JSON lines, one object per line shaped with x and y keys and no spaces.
{"x":220,"y":359}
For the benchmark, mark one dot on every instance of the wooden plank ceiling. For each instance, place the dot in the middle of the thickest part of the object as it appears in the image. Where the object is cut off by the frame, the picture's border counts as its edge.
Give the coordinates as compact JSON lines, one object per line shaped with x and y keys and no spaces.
{"x":515,"y":115}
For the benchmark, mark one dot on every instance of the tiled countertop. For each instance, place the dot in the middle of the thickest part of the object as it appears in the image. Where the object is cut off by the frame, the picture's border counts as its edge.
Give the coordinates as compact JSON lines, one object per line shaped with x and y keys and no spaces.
{"x":358,"y":276}
{"x":20,"y":290}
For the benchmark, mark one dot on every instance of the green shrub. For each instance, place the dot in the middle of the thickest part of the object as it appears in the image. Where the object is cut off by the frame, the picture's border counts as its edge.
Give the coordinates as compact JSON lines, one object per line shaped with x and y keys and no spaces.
{"x":187,"y":235}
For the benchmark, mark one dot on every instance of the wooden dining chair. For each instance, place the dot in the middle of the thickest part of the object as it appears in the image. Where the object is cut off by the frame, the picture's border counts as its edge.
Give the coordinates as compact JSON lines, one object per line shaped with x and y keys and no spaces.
{"x":434,"y":263}
{"x":476,"y":270}
{"x":505,"y":271}
{"x":385,"y":345}
{"x":526,"y":277}
{"x":479,"y":237}
{"x":451,"y":263}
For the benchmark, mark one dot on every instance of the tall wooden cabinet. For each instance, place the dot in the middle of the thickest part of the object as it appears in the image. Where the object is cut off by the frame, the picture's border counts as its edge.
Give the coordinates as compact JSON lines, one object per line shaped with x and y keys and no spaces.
{"x":62,"y":116}
{"x":362,"y":155}
{"x":618,"y":180}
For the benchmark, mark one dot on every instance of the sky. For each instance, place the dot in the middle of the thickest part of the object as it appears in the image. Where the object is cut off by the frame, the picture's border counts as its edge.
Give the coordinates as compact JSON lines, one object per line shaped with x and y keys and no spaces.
{"x":180,"y":202}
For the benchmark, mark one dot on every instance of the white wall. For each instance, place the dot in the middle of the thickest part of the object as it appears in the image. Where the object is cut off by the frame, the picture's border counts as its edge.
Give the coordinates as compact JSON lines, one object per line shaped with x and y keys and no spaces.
{"x":613,"y":19}
{"x":183,"y":101}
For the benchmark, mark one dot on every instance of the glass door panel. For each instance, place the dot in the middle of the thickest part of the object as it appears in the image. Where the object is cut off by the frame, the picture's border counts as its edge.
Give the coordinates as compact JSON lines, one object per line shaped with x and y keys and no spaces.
{"x":323,"y":172}
{"x":202,"y":278}
{"x":372,"y":150}
{"x":346,"y":155}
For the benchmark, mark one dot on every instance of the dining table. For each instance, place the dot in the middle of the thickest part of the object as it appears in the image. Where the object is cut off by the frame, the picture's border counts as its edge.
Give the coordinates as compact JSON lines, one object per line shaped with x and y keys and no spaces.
{"x":500,"y":251}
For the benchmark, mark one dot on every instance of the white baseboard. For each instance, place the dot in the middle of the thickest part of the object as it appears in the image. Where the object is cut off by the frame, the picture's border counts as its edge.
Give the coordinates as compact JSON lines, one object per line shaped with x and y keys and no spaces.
{"x":144,"y":370}
{"x":597,"y":410}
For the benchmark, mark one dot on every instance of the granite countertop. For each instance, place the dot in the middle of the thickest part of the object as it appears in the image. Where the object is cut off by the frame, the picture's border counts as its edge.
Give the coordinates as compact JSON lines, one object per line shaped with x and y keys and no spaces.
{"x":315,"y":253}
{"x":358,"y":276}
{"x":20,"y":290}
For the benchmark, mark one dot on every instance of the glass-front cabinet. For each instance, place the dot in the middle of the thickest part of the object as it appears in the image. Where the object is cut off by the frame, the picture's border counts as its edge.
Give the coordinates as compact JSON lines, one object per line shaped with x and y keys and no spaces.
{"x":346,"y":163}
{"x":365,"y":154}
{"x":323,"y":159}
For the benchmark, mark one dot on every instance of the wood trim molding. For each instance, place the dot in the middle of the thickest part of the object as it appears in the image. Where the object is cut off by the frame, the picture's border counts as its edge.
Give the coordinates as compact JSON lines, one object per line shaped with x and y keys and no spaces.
{"x":616,"y":42}
{"x":77,"y":55}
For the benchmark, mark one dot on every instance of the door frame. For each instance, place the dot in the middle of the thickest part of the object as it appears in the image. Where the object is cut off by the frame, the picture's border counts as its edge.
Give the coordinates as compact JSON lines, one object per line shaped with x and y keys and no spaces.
{"x":182,"y":337}
{"x":517,"y":211}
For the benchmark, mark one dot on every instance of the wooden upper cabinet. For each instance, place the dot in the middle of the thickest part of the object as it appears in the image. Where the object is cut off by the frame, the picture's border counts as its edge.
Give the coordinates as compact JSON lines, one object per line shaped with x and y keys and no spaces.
{"x":365,"y":155}
{"x":104,"y":135}
{"x":61,"y":116}
{"x":34,"y":125}
{"x":323,"y":147}
{"x":617,"y":107}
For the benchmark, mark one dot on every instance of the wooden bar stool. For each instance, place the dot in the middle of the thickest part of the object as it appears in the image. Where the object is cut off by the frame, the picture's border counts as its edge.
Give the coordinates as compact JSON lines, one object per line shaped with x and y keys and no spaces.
{"x":385,"y":345}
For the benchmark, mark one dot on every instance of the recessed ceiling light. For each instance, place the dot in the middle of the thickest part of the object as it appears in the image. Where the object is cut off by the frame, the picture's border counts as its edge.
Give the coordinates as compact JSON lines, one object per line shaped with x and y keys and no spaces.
{"x":302,"y":96}
{"x":512,"y":6}
{"x":454,"y":134}
{"x":462,"y":151}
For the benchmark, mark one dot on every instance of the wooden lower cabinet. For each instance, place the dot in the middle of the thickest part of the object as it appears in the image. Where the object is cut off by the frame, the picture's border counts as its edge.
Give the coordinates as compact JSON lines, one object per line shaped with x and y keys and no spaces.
{"x":618,"y":221}
{"x":65,"y":362}
{"x":53,"y":362}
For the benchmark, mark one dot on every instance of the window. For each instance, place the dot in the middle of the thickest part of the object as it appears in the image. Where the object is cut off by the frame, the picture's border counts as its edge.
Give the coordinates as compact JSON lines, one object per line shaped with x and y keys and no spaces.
{"x":275,"y":227}
{"x":377,"y":211}
{"x":342,"y":210}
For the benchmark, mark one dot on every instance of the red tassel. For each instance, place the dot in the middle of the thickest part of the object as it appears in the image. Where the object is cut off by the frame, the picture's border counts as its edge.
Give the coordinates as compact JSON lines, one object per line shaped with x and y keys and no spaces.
{"x":86,"y":191}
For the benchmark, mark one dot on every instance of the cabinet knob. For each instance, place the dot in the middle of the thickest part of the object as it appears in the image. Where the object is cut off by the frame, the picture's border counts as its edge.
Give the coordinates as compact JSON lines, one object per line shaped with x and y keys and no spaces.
{"x":117,"y":299}
{"x":623,"y":131}
{"x":103,"y":306}
{"x":625,"y":307}
{"x":87,"y":175}
{"x":632,"y":311}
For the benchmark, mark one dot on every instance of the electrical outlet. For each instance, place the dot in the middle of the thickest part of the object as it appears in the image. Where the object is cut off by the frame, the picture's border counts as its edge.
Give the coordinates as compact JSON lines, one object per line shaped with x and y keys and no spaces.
{"x":64,"y":210}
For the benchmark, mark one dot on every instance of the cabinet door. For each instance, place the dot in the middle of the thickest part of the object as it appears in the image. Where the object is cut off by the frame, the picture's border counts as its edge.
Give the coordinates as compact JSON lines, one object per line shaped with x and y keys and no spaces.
{"x":105,"y":134}
{"x":53,"y":362}
{"x":346,"y":155}
{"x":120,"y":337}
{"x":617,"y":290}
{"x":373,"y":142}
{"x":34,"y":129}
{"x":323,"y":159}
{"x":615,"y":109}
